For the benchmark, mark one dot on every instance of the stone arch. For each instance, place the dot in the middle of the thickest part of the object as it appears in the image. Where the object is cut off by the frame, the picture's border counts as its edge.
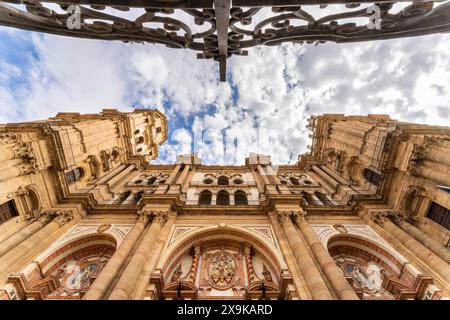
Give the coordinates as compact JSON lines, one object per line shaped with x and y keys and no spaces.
{"x":411,"y":201}
{"x":223,"y":198}
{"x":373,"y":270}
{"x":205,"y":197}
{"x":223,"y":180}
{"x":240,"y":197}
{"x":68,"y":269}
{"x":207,"y":239}
{"x":28,"y":201}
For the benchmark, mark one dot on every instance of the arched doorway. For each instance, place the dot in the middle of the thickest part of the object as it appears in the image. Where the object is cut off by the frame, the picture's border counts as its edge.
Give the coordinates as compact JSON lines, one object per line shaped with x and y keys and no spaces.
{"x":222,"y":264}
{"x":373,"y":271}
{"x":68,"y":271}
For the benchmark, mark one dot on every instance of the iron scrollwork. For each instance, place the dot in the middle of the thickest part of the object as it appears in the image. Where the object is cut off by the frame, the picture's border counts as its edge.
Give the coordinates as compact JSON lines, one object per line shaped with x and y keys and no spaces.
{"x":229,"y":27}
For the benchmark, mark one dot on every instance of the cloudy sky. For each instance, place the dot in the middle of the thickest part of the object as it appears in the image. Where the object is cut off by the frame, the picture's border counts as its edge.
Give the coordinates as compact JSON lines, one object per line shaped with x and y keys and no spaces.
{"x":261,"y":108}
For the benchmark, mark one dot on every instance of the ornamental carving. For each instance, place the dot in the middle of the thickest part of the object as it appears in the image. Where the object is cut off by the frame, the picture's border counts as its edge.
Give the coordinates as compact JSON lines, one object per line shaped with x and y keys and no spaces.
{"x":222,"y":270}
{"x":223,"y":27}
{"x":340,"y":228}
{"x":103,"y":228}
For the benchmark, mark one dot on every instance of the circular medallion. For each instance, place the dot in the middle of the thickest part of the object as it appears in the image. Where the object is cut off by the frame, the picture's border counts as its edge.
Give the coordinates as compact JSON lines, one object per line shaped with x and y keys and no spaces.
{"x":222,"y":270}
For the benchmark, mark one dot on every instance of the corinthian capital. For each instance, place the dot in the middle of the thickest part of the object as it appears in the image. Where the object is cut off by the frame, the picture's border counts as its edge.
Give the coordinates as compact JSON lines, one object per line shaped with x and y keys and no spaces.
{"x":299,"y":216}
{"x":160,"y":217}
{"x":395,"y":217}
{"x":284,"y":216}
{"x":379,"y":218}
{"x":61,"y":217}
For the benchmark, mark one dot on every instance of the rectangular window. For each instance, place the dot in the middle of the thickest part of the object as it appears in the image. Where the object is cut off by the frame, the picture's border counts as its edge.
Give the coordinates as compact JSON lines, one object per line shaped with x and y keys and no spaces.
{"x":439,"y":214}
{"x":158,"y":129}
{"x":73,"y":175}
{"x":7,"y":211}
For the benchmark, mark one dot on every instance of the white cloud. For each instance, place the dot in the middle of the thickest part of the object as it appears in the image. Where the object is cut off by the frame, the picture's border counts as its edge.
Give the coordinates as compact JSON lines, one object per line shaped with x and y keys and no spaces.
{"x":278,"y":88}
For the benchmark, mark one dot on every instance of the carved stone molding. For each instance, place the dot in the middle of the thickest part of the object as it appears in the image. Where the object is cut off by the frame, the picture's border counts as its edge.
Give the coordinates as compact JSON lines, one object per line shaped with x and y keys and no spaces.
{"x":379,"y":218}
{"x":285,"y":215}
{"x":160,"y":217}
{"x":151,"y":216}
{"x":61,"y":217}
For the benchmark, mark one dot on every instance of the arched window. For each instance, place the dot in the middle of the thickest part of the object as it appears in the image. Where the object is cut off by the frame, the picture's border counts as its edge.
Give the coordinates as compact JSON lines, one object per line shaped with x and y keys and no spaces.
{"x":240,"y":198}
{"x":205,"y":197}
{"x":74,"y":175}
{"x":372,"y":177}
{"x":151,"y":181}
{"x":223,"y":181}
{"x":323,"y":198}
{"x":223,"y":198}
{"x":294,"y":181}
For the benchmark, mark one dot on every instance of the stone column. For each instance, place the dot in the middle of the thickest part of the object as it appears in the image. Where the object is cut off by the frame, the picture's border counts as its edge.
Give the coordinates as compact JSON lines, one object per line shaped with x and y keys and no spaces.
{"x":428,"y":257}
{"x":439,"y":154}
{"x":325,"y":176}
{"x":10,"y":227}
{"x":308,"y":268}
{"x":262,"y":174}
{"x":111,"y":173}
{"x":335,"y":276}
{"x":9,"y":173}
{"x":150,"y":264}
{"x":194,"y":266}
{"x":273,"y":175}
{"x":109,"y":272}
{"x":22,"y":251}
{"x":424,"y":239}
{"x":231,"y":198}
{"x":128,"y":279}
{"x":6,"y":154}
{"x":113,"y":181}
{"x":249,"y":264}
{"x":173,"y":174}
{"x":183,"y":174}
{"x":431,"y":174}
{"x":23,"y":234}
{"x":334,"y":175}
{"x":299,"y":280}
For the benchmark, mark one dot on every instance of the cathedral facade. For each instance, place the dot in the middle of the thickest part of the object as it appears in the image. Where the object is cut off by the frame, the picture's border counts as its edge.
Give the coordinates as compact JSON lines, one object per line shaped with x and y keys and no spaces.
{"x":84,"y":215}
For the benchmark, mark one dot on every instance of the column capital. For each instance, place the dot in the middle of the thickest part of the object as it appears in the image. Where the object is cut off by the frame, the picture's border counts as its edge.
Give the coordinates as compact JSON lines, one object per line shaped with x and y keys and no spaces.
{"x":284,"y":215}
{"x":150,"y":216}
{"x":60,"y":216}
{"x":381,"y":217}
{"x":299,"y":216}
{"x":160,"y":217}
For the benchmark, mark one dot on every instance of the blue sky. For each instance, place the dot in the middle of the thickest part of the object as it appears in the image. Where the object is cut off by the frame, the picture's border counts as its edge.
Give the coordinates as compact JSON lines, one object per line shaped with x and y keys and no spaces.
{"x":262,"y":107}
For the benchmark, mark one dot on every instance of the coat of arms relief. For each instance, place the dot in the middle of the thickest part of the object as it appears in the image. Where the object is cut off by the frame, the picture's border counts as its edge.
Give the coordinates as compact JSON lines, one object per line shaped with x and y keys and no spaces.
{"x":222,"y":270}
